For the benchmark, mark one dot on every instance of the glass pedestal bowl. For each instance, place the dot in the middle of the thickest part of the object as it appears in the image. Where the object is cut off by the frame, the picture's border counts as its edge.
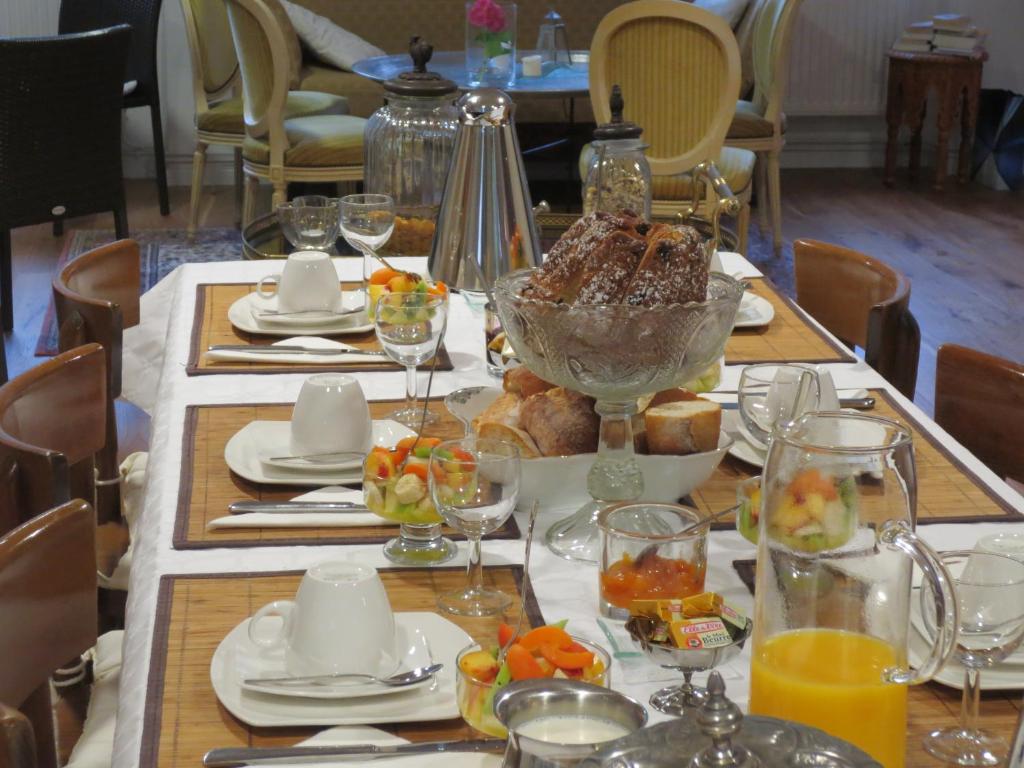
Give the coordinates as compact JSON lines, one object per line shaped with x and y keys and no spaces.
{"x":615,"y":353}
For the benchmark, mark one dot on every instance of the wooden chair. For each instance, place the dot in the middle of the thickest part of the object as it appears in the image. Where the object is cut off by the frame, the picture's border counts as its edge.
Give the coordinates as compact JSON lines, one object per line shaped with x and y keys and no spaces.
{"x":979,"y":400}
{"x":760,"y":124}
{"x":60,"y":135}
{"x":315,"y":148}
{"x":48,"y":599}
{"x":97,"y":296}
{"x":215,"y":80}
{"x":865,"y":303}
{"x":679,"y":69}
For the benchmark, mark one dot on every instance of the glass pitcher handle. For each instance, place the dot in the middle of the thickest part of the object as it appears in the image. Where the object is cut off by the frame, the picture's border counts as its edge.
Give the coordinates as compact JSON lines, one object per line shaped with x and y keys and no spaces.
{"x":899,"y":535}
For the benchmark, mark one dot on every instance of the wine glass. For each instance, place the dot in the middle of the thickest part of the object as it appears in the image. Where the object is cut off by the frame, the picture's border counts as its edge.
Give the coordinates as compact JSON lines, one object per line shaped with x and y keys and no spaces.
{"x":771,"y":395}
{"x":474,"y":483}
{"x":990,"y":592}
{"x":310,"y":222}
{"x":367,"y":222}
{"x":410,"y":327}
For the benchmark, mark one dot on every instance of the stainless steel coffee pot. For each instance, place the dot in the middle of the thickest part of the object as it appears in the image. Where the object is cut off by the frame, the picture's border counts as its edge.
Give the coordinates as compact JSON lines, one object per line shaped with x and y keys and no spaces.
{"x":485,"y":227}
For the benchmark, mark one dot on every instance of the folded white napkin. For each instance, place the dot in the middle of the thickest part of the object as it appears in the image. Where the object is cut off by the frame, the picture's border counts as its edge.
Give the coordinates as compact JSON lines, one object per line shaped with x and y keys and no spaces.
{"x":308,"y":519}
{"x":301,"y":358}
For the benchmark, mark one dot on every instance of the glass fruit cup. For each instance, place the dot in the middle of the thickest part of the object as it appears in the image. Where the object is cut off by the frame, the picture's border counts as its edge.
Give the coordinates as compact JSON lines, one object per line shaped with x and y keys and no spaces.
{"x":645,"y":555}
{"x":748,"y":516}
{"x":475,"y":691}
{"x":395,"y":489}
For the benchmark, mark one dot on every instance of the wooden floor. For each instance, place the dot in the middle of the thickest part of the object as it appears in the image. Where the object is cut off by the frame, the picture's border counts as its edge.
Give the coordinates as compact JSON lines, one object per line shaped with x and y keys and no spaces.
{"x":963,"y":250}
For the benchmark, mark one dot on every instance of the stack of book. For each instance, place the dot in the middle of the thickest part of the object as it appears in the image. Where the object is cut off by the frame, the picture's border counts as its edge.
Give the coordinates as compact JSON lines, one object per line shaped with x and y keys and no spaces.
{"x":945,"y":33}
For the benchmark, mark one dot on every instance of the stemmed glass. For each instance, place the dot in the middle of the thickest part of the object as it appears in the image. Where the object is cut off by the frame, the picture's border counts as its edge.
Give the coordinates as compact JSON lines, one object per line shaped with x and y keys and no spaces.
{"x":410,"y":327}
{"x":367,"y":222}
{"x":310,"y":222}
{"x":771,"y":395}
{"x":990,"y":592}
{"x":474,"y":483}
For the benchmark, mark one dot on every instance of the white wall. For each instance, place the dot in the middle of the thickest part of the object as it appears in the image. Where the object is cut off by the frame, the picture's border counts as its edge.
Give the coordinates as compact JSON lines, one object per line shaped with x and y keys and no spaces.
{"x":836,"y":95}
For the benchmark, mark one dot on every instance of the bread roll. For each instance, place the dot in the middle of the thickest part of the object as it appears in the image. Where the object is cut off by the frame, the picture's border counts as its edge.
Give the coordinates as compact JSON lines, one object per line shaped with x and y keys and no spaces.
{"x":504,"y":410}
{"x":675,"y":395}
{"x":497,"y":431}
{"x":561,"y":422}
{"x":686,"y":426}
{"x":523,"y":382}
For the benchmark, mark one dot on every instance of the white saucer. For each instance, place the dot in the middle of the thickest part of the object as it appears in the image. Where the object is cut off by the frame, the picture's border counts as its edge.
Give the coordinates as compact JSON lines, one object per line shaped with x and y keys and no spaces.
{"x":258,"y":439}
{"x":741,"y":448}
{"x":253,"y":661}
{"x":434,"y":702}
{"x":241,"y":316}
{"x":305,"y":465}
{"x":755,"y":311}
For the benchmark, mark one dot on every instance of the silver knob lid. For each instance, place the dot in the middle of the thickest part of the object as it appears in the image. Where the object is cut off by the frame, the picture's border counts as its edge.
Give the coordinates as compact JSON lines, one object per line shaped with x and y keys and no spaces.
{"x":490,"y":106}
{"x":720,"y":720}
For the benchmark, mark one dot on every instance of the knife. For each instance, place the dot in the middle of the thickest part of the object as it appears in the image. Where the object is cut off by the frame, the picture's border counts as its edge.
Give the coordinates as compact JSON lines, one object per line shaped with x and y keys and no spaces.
{"x":235,"y":757}
{"x":291,"y":349}
{"x":857,"y":403}
{"x":294,"y":507}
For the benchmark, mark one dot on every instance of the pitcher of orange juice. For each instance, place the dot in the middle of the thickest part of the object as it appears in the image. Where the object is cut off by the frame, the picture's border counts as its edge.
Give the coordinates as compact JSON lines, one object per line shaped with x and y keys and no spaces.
{"x":835,"y":556}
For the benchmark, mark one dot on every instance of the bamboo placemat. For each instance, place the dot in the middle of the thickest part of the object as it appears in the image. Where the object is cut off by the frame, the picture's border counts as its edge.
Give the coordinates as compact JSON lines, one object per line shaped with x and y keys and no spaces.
{"x":947,"y":490}
{"x":788,"y":338}
{"x":207,"y":486}
{"x":183,"y":718}
{"x":933,"y":706}
{"x":211,"y":326}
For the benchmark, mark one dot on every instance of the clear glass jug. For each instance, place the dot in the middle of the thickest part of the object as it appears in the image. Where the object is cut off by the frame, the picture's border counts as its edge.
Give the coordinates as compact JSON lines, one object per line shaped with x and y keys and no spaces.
{"x":834,"y":562}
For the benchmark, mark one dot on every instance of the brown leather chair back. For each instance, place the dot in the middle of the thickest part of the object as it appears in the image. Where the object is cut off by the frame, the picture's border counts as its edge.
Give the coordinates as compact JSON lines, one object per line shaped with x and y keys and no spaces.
{"x":979,"y":400}
{"x":17,"y":741}
{"x":865,"y":303}
{"x":97,"y":297}
{"x":52,"y":424}
{"x":47,"y":609}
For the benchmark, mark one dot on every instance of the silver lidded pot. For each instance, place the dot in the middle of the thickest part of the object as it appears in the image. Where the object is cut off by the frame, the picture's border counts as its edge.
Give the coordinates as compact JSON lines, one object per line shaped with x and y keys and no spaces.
{"x":565,"y":703}
{"x":485,"y":227}
{"x":407,"y":148}
{"x":719,"y":736}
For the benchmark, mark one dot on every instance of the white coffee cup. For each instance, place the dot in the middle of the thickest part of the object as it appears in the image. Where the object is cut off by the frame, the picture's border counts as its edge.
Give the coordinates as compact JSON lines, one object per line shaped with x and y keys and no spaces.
{"x":340,"y":621}
{"x":330,"y":415}
{"x":309,"y":281}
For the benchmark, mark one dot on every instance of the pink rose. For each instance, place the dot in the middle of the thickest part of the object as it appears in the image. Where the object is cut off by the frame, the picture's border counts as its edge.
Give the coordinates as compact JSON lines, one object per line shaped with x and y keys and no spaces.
{"x":488,"y":15}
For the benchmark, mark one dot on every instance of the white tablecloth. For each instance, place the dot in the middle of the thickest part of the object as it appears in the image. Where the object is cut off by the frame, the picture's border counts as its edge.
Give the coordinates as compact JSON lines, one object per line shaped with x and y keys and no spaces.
{"x":155,"y":359}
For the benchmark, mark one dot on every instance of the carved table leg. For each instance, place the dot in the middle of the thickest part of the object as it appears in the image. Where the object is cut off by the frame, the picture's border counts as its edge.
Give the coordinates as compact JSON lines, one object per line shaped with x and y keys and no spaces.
{"x":893,"y":117}
{"x":949,"y":95}
{"x":916,"y":128}
{"x":968,"y":123}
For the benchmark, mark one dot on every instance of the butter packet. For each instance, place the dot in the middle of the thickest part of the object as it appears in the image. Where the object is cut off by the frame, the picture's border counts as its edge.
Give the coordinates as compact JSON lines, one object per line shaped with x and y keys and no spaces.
{"x":696,"y":634}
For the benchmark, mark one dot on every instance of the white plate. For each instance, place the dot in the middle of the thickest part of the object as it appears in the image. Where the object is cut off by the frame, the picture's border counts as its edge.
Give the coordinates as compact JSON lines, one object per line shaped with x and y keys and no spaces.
{"x":271,"y":458}
{"x":435,"y":702}
{"x":253,"y":661}
{"x":259,"y":438}
{"x":350,"y":734}
{"x":240,"y":314}
{"x":741,"y":448}
{"x":559,"y":482}
{"x":755,"y":311}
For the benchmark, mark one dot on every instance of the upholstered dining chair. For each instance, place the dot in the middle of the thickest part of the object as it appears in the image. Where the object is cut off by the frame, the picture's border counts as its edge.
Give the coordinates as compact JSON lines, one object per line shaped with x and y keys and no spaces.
{"x":97,"y":296}
{"x":141,"y":86}
{"x":324,"y":148}
{"x":60,"y":135}
{"x":679,"y":69}
{"x":216,"y":81}
{"x":864,"y":303}
{"x":760,"y":124}
{"x":979,"y":400}
{"x":48,"y":599}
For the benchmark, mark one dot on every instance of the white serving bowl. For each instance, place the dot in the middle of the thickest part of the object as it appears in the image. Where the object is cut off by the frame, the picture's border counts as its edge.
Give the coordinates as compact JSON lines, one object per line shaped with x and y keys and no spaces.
{"x":560,"y":482}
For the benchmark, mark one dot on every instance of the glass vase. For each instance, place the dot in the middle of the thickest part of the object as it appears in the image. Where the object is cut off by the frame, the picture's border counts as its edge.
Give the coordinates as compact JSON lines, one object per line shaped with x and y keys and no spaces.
{"x":491,"y":43}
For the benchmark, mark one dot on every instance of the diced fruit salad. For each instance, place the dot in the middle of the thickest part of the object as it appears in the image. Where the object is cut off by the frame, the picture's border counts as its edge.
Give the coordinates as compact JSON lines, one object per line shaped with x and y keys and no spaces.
{"x":547,"y":651}
{"x":387,"y":280}
{"x":816,"y":511}
{"x":749,"y":515}
{"x":396,"y":480}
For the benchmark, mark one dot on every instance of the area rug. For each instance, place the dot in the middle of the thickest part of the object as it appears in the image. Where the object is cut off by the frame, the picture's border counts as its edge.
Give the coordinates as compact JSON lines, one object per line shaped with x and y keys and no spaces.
{"x":161,"y":250}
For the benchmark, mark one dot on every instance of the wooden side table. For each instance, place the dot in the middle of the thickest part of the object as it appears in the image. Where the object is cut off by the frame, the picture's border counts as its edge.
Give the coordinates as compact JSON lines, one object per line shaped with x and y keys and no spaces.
{"x":956,"y":81}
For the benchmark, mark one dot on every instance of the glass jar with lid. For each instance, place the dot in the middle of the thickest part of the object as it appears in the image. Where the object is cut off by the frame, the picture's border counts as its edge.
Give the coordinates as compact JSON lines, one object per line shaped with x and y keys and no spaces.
{"x":407,"y":149}
{"x":618,"y":176}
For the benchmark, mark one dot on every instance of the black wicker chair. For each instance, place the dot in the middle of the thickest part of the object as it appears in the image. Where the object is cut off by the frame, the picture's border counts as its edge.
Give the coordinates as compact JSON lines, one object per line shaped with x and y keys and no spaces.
{"x":60,"y":134}
{"x":144,"y":18}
